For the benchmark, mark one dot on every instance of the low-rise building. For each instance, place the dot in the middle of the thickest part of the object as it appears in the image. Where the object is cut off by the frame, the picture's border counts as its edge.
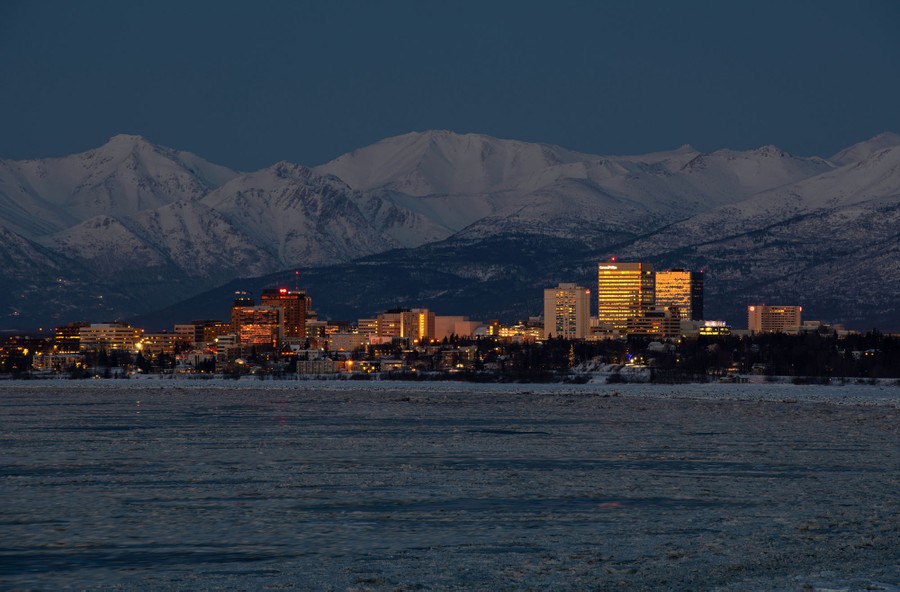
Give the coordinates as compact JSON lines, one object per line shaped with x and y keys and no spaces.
{"x":117,"y":336}
{"x":773,"y":319}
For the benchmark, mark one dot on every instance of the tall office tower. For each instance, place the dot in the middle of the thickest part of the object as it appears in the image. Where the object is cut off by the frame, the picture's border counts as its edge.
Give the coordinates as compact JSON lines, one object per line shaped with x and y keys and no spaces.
{"x":681,"y":288}
{"x":241,"y":300}
{"x":773,"y":319}
{"x":293,"y":307}
{"x":624,"y":291}
{"x":567,"y":312}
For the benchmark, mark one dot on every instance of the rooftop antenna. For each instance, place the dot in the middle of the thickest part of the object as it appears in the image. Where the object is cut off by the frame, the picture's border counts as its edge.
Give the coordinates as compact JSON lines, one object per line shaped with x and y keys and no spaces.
{"x":297,"y":280}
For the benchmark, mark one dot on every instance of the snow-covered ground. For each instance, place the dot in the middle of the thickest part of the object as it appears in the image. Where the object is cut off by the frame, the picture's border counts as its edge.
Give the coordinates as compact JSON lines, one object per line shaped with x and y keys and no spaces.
{"x":221,"y":485}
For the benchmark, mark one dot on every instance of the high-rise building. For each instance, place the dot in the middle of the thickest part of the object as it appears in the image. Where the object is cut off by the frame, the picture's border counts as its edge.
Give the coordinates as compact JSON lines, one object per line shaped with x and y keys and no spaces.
{"x":259,"y":326}
{"x":624,"y":291}
{"x":773,"y":319}
{"x":567,"y":312}
{"x":681,"y":288}
{"x":293,"y":306}
{"x":241,"y":300}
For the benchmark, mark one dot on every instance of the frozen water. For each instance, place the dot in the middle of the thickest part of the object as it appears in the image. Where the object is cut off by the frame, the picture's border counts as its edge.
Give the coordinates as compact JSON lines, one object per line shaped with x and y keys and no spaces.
{"x":223,"y":485}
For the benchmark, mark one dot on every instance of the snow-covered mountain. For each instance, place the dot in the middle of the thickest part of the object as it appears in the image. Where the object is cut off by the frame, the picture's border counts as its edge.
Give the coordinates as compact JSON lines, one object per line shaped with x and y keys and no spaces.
{"x":486,"y":185}
{"x":828,"y":239}
{"x":145,"y":226}
{"x":304,"y":219}
{"x":125,"y":176}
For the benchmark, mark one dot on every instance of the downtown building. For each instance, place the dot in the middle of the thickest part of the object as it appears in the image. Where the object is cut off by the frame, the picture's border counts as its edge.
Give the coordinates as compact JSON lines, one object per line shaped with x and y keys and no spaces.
{"x":625,"y":291}
{"x":410,"y":324}
{"x":256,"y":326}
{"x":773,"y":319}
{"x":682,"y":289}
{"x":567,"y":312}
{"x":109,"y":337}
{"x":294,"y":305}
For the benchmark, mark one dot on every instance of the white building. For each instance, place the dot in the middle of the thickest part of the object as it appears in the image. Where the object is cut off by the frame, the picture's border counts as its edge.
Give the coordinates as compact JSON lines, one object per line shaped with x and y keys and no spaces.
{"x":567,"y":312}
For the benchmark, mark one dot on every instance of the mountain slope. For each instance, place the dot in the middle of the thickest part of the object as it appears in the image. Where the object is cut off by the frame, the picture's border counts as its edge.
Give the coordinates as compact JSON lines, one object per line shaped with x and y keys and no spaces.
{"x":441,"y":162}
{"x":125,"y":176}
{"x":484,"y":186}
{"x":305,"y":219}
{"x":483,"y":223}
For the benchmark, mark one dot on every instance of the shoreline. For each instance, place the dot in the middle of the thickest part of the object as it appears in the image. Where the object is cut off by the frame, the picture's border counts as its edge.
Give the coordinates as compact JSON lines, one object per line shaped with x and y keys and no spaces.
{"x":849,"y":394}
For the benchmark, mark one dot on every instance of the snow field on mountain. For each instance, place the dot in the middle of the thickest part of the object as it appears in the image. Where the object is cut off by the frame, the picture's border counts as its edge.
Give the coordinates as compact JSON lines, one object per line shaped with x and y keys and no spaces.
{"x":765,"y":224}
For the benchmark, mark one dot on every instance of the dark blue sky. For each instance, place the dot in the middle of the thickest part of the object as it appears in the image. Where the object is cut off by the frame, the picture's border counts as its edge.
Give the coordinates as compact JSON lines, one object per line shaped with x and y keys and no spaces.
{"x":248,"y":84}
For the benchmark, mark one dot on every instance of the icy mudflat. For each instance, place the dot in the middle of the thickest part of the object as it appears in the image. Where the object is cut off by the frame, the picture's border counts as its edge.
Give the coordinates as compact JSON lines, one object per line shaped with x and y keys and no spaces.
{"x":217,"y":485}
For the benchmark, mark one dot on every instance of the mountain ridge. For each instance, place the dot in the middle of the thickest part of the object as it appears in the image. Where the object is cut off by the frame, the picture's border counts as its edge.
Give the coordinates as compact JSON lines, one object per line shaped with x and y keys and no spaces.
{"x":191,"y":225}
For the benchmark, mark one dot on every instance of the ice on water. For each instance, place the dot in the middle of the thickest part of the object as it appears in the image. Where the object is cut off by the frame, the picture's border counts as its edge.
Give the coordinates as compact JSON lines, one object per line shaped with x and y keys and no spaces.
{"x":168,"y":484}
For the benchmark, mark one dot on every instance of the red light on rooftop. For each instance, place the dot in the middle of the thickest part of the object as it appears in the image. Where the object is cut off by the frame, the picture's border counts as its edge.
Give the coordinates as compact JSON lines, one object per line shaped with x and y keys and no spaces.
{"x":282,"y":290}
{"x":612,"y":258}
{"x":752,"y":308}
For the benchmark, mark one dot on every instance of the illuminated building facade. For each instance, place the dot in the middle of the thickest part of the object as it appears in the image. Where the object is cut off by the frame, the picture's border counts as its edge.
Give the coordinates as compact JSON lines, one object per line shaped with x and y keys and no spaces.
{"x":259,"y":326}
{"x":293,"y":305}
{"x":153,"y":344}
{"x":681,"y":288}
{"x":108,"y":337}
{"x":186,"y":334}
{"x":656,"y":321}
{"x":773,"y":319}
{"x":67,"y":339}
{"x":368,"y":326}
{"x":521,"y":332}
{"x":206,"y":331}
{"x":567,"y":312}
{"x":347,"y":341}
{"x":714,"y":329}
{"x":414,"y":324}
{"x":624,"y":291}
{"x":242,"y":300}
{"x":424,"y":320}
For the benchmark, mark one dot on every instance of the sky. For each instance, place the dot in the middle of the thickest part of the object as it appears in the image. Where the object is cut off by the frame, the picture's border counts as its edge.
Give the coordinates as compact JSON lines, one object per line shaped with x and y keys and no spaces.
{"x":249,"y":84}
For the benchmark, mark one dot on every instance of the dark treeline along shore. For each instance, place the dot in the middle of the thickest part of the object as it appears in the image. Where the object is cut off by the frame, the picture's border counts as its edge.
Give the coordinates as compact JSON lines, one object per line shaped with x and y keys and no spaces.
{"x":807,"y":358}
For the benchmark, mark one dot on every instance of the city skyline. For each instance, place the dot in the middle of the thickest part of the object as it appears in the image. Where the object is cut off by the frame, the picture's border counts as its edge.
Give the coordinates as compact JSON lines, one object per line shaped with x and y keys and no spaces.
{"x":633,"y":300}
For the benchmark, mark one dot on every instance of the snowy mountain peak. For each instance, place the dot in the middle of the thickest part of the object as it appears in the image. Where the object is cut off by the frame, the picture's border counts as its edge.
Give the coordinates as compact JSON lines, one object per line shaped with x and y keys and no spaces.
{"x":863,"y":150}
{"x":127,"y":139}
{"x":771,"y":151}
{"x":439,"y":162}
{"x":288,"y":170}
